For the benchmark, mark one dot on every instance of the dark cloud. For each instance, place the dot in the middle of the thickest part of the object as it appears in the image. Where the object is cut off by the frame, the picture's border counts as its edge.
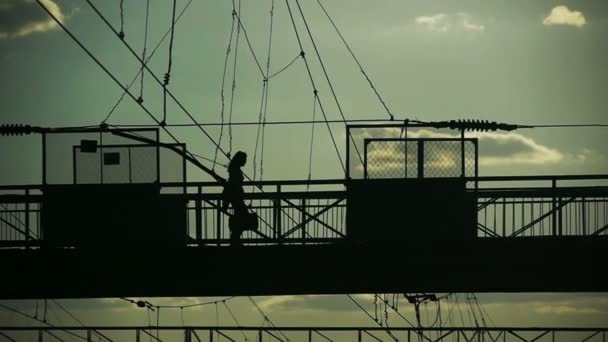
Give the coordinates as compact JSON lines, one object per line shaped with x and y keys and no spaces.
{"x":23,"y":17}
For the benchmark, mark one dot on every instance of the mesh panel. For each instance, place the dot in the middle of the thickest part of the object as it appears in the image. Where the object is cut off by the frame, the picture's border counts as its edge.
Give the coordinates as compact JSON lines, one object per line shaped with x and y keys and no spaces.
{"x":116,"y":164}
{"x":399,"y":158}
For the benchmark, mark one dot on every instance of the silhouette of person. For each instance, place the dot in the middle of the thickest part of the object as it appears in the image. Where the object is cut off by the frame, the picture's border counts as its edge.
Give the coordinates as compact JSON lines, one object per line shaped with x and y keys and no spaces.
{"x":234,"y":195}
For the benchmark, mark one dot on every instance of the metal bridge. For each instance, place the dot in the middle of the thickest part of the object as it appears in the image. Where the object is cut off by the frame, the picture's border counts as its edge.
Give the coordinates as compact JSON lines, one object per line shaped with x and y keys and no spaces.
{"x":413,"y":216}
{"x":244,"y":333}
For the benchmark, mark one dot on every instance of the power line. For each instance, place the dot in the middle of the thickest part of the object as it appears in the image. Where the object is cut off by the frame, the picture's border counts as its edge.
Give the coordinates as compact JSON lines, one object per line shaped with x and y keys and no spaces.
{"x":255,"y":123}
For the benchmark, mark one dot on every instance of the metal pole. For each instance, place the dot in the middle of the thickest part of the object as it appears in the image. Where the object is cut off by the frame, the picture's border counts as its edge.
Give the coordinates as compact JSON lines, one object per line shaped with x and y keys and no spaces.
{"x":277,"y":215}
{"x":219,"y":220}
{"x":365,"y":143}
{"x":74,"y":164}
{"x":260,"y":335}
{"x":462,"y":166}
{"x":303,"y":218}
{"x":101,"y":157}
{"x":309,"y":335}
{"x":554,"y":202}
{"x":420,"y":159}
{"x":89,"y":339}
{"x":130,"y":173}
{"x":27,"y":217}
{"x":359,"y":337}
{"x":198,"y":211}
{"x":137,"y":335}
{"x":43,"y":158}
{"x":347,"y":176}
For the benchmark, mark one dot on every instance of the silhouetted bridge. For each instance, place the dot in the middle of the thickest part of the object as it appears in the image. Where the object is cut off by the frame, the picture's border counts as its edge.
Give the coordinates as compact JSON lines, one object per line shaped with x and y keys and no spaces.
{"x":527,"y":234}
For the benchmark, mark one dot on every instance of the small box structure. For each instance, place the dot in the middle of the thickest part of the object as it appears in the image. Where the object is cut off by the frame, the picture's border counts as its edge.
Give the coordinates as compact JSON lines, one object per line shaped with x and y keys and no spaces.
{"x":112,"y":196}
{"x":411,"y":189}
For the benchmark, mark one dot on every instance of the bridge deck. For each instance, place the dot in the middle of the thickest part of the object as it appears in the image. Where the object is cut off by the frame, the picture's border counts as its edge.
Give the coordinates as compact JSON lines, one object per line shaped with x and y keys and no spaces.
{"x":533,"y":234}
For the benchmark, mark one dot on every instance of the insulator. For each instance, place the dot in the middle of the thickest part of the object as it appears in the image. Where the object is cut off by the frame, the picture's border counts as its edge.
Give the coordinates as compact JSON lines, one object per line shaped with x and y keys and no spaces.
{"x":15,"y":129}
{"x":167,"y":78}
{"x":479,"y":125}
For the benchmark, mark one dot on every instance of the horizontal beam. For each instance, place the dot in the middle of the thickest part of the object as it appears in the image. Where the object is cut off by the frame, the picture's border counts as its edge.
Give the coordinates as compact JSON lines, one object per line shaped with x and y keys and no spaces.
{"x":302,"y":328}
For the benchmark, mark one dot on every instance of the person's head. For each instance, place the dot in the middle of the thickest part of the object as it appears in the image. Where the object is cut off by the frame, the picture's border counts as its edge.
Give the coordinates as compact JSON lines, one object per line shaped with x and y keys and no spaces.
{"x":239,"y":159}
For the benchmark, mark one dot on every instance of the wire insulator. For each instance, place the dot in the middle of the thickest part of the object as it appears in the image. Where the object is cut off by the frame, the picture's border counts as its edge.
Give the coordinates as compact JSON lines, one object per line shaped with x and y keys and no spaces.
{"x":15,"y":129}
{"x":475,"y":125}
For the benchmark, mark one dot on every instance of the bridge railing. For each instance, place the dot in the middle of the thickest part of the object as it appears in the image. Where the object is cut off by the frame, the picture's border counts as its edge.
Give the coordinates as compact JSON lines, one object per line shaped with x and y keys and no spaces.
{"x":302,"y":212}
{"x":247,"y":333}
{"x":542,"y":206}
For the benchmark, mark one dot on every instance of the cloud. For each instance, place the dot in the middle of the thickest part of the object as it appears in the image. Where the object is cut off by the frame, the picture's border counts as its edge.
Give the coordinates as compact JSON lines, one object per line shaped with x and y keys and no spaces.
{"x":442,"y":22}
{"x":20,"y":18}
{"x":562,"y":15}
{"x":438,"y":22}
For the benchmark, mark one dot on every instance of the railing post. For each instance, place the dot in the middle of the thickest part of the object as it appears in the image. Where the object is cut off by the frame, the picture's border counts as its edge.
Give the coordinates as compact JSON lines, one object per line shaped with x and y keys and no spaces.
{"x":40,"y":334}
{"x":420,"y":159}
{"x":584,"y":215}
{"x":359,"y":337}
{"x":277,"y":215}
{"x":309,"y":335}
{"x":210,"y":335}
{"x":559,"y":217}
{"x":554,"y":213}
{"x":27,"y":218}
{"x":198,"y":215}
{"x":303,"y":219}
{"x":218,"y":222}
{"x":89,"y":339}
{"x":260,"y":335}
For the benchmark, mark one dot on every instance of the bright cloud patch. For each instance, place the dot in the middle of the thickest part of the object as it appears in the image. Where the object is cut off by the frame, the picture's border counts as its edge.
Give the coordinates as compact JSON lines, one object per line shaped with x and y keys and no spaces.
{"x":20,"y":18}
{"x":442,"y":22}
{"x":562,"y":15}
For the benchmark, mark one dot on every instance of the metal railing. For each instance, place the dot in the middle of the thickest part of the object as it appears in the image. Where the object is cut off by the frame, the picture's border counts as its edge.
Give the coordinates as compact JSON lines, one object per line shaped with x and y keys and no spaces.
{"x":260,"y":334}
{"x":292,"y":214}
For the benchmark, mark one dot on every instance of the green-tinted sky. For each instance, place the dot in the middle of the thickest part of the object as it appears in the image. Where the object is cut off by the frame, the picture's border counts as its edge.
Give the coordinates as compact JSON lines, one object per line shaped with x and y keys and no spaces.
{"x":519,"y":61}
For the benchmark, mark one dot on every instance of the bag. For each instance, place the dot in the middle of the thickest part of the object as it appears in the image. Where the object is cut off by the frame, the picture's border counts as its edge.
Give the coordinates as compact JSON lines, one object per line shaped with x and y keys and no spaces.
{"x":248,"y":221}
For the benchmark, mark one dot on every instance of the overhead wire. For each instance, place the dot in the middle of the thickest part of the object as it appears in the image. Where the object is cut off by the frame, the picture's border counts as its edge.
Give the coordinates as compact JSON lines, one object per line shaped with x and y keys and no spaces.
{"x":261,"y":127}
{"x":331,"y":87}
{"x":315,"y":92}
{"x":255,"y":123}
{"x":19,"y":312}
{"x":147,"y":60}
{"x":222,"y":96}
{"x":111,"y":75}
{"x":144,"y":52}
{"x":128,"y":46}
{"x":169,"y":65}
{"x":235,"y":12}
{"x":388,"y":111}
{"x":62,"y":308}
{"x":266,"y":318}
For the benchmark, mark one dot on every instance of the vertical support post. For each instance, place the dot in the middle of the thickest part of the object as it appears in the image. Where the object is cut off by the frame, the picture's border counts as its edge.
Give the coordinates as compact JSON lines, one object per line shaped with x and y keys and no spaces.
{"x":420,"y":159}
{"x":584,"y":214}
{"x":303,"y":219}
{"x":43,"y":158}
{"x":89,"y":338}
{"x":365,"y":143}
{"x":409,"y":335}
{"x":218,"y":222}
{"x":27,"y":218}
{"x":210,"y":335}
{"x":560,"y":221}
{"x":184,"y":165}
{"x":101,"y":157}
{"x":157,"y":156}
{"x":277,"y":215}
{"x":130,"y":171}
{"x":260,"y":335}
{"x":554,"y":207}
{"x":309,"y":335}
{"x":40,"y":335}
{"x":359,"y":337}
{"x":137,"y":335}
{"x":198,"y":211}
{"x":504,"y":217}
{"x":74,"y":164}
{"x":462,"y":155}
{"x":347,"y":168}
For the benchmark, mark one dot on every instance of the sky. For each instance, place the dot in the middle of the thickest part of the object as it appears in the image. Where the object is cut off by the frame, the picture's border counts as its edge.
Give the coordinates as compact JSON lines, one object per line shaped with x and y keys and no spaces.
{"x":522,"y":62}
